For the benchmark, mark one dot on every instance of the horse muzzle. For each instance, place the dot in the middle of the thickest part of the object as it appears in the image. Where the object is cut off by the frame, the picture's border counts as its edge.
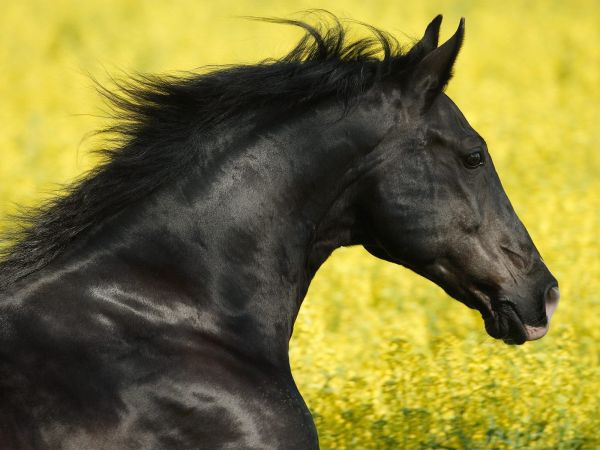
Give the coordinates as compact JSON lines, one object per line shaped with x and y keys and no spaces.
{"x":504,"y":320}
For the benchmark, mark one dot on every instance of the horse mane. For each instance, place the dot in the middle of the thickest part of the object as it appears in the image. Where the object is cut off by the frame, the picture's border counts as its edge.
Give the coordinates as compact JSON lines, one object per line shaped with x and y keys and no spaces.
{"x":161,"y":119}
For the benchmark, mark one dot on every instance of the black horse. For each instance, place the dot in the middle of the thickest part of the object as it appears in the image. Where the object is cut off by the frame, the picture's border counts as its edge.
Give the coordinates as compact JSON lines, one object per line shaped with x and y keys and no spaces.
{"x":151,"y":306}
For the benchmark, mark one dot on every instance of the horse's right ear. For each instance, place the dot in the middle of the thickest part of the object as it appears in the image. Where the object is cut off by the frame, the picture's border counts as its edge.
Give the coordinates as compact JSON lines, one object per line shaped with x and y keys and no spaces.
{"x":433,"y":72}
{"x":429,"y":41}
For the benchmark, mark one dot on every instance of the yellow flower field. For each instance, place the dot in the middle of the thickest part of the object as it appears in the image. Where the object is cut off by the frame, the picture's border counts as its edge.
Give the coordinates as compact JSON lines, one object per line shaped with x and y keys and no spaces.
{"x":384,"y":359}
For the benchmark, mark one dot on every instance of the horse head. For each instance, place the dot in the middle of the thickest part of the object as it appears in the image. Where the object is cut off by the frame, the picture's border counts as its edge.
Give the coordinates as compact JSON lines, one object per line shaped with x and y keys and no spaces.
{"x":443,"y":212}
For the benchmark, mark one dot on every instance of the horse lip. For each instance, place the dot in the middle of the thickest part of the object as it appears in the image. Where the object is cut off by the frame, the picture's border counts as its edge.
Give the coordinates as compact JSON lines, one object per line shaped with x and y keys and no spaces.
{"x":502,"y":320}
{"x":515,"y":333}
{"x":534,"y":333}
{"x":523,"y":332}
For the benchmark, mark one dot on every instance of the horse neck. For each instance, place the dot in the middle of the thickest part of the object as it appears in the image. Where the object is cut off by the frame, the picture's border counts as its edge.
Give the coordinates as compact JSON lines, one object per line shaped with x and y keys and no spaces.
{"x":240,"y":240}
{"x":262,"y":223}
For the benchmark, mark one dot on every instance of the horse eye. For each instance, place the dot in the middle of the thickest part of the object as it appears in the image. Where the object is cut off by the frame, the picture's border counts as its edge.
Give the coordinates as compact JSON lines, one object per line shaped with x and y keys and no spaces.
{"x":474,"y":159}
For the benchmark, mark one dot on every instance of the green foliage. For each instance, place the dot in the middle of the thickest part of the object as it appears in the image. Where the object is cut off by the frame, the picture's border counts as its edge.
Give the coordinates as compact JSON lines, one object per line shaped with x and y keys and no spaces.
{"x":384,"y":358}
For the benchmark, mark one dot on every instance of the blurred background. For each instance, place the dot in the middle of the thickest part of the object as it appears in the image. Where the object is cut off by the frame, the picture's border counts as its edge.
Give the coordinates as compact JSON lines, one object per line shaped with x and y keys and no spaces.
{"x":383,"y":358}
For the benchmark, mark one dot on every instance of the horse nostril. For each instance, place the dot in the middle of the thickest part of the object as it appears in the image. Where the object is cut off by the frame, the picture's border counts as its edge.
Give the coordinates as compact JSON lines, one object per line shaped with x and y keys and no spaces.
{"x":552,"y":297}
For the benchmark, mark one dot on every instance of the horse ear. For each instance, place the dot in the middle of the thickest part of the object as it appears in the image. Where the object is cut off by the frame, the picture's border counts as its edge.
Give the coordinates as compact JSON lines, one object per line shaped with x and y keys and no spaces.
{"x":433,"y":72}
{"x":429,"y":41}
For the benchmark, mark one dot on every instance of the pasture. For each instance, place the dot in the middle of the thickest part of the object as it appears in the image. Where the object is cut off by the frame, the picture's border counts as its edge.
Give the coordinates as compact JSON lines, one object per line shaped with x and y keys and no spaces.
{"x":383,"y":358}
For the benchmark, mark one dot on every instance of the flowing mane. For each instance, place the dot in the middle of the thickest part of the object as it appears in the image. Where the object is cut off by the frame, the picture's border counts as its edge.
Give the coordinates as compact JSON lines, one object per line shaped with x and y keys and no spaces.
{"x":162,"y":122}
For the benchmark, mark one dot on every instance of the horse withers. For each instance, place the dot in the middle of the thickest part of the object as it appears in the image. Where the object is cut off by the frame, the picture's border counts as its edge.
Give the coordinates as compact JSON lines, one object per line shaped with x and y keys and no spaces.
{"x":152,"y":304}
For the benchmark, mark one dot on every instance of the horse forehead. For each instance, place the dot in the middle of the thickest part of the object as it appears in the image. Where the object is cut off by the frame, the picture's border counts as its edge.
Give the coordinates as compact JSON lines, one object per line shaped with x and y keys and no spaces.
{"x":447,"y":116}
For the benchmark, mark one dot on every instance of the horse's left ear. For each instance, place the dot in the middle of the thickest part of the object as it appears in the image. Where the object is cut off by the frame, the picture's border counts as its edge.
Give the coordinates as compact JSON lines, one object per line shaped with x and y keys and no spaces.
{"x":433,"y":72}
{"x":429,"y":41}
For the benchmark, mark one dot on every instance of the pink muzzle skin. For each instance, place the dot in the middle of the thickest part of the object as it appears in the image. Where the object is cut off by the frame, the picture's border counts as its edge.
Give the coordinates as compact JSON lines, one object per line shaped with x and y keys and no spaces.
{"x":552,"y":298}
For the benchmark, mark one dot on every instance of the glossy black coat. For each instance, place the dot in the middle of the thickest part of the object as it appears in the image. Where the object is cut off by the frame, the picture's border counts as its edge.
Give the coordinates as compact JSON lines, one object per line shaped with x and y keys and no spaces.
{"x":165,"y":325}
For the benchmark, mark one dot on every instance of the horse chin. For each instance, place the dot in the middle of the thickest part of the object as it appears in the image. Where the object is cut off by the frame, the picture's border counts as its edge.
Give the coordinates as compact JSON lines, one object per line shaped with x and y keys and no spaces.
{"x":502,"y":320}
{"x":504,"y":323}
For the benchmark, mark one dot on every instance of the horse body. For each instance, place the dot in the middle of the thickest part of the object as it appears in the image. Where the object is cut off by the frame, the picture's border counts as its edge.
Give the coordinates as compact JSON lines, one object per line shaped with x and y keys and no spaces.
{"x":149,"y":323}
{"x":167,"y":324}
